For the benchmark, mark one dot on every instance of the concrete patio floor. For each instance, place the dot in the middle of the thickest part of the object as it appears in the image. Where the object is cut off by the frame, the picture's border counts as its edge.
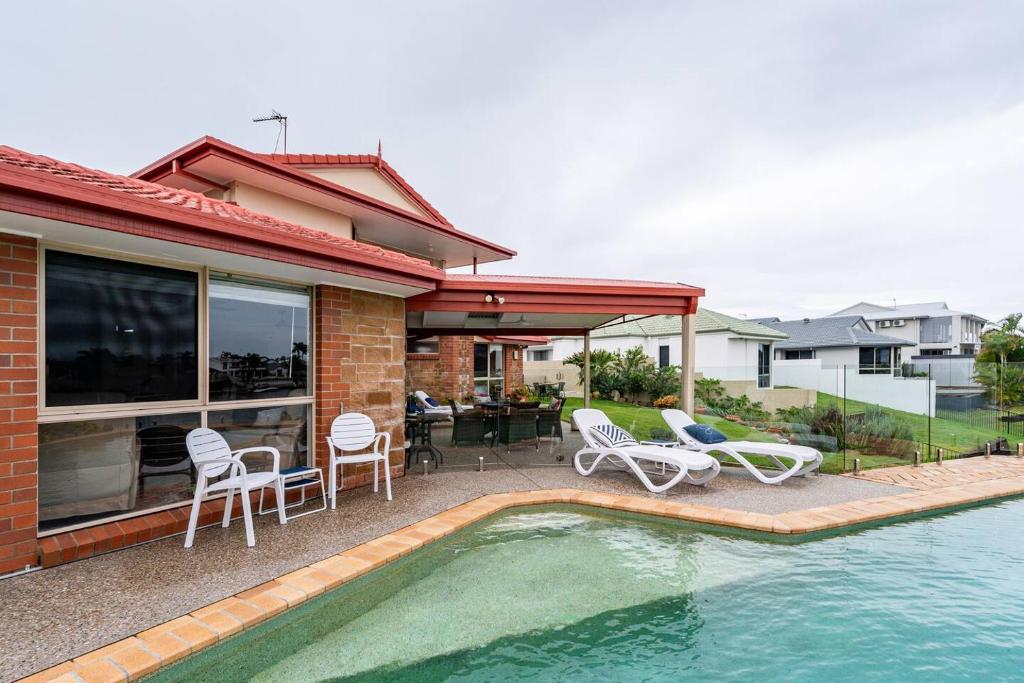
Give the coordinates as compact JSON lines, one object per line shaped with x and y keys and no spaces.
{"x":52,"y":615}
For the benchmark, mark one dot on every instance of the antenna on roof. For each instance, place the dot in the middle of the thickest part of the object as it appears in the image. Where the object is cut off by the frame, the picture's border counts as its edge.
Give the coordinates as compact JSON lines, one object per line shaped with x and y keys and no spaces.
{"x":275,"y":115}
{"x":380,"y":154}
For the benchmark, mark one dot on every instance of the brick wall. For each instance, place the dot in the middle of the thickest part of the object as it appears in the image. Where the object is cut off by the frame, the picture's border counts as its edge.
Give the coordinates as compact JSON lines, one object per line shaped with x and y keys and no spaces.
{"x":360,"y":367}
{"x":443,"y":375}
{"x":513,"y":366}
{"x":18,"y":440}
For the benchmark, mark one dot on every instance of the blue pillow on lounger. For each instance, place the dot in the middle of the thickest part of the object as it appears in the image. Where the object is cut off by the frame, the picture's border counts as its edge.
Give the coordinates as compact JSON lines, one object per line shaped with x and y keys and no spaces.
{"x":705,"y":433}
{"x":431,"y":402}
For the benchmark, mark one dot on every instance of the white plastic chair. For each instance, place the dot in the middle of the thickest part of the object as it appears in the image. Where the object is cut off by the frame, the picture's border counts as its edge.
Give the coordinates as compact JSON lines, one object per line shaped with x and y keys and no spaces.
{"x":804,"y":458}
{"x":355,"y":433}
{"x":213,"y":457}
{"x":689,"y":466}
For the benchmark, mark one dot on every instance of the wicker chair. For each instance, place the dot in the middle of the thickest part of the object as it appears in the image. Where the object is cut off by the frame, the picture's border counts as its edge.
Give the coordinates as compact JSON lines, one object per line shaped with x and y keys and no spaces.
{"x":518,"y":426}
{"x":549,"y":421}
{"x":470,"y":427}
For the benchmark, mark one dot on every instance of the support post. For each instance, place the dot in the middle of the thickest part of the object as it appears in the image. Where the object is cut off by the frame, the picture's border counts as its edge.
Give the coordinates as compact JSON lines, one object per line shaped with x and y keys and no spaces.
{"x":688,"y":340}
{"x":586,"y":369}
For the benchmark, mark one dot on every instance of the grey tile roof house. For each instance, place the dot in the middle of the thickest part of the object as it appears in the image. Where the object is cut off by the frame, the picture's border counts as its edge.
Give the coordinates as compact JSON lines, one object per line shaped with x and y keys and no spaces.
{"x":831,"y":332}
{"x":669,"y":325}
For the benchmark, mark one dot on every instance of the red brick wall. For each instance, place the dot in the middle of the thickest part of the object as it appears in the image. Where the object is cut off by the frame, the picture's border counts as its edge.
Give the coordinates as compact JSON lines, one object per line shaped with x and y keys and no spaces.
{"x":513,"y":366}
{"x":443,"y":375}
{"x":360,"y":367}
{"x":18,"y":439}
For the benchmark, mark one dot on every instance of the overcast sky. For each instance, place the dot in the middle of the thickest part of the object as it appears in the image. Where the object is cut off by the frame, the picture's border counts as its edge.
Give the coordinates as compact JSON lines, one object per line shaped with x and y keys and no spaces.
{"x":791,"y":158}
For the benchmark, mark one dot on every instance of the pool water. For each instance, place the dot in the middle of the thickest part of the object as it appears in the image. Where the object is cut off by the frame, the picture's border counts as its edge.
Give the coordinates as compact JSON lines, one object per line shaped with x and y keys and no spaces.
{"x":570,"y":593}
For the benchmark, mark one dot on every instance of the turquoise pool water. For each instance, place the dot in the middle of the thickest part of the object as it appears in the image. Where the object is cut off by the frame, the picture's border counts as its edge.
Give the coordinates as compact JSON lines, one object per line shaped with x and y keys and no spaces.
{"x":567,"y":593}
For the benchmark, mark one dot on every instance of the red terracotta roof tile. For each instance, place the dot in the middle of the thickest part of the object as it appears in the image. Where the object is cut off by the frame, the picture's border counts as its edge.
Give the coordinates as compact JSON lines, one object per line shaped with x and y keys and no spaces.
{"x":191,"y":201}
{"x":361,"y":160}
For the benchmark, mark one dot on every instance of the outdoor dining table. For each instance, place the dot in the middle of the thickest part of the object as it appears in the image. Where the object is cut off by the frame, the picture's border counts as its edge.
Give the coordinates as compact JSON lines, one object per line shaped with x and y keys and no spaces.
{"x":418,"y":427}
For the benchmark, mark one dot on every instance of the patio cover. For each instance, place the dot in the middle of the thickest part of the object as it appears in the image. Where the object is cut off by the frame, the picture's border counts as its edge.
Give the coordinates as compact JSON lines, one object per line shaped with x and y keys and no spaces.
{"x":497,"y":305}
{"x":521,"y":305}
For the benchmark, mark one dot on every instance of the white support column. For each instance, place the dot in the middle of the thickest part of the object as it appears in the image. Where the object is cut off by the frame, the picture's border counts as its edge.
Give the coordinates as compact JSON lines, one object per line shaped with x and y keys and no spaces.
{"x":688,"y":359}
{"x":586,"y":369}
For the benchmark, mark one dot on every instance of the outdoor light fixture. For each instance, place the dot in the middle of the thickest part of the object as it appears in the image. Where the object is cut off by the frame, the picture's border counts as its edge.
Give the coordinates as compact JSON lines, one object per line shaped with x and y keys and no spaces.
{"x":491,"y":297}
{"x":501,"y":299}
{"x":488,"y":297}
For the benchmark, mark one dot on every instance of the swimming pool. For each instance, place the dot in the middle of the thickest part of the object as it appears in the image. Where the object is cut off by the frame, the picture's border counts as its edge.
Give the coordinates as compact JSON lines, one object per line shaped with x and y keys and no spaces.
{"x":556,"y":593}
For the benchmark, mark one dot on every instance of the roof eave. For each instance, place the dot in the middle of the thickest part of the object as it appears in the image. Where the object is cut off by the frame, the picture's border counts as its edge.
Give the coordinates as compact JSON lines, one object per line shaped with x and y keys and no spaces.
{"x":207,"y":145}
{"x":46,"y":196}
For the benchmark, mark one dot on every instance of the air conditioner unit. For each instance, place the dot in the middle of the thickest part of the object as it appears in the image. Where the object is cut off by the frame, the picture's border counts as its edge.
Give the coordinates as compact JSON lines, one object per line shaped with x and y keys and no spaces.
{"x":884,"y":323}
{"x":899,"y":323}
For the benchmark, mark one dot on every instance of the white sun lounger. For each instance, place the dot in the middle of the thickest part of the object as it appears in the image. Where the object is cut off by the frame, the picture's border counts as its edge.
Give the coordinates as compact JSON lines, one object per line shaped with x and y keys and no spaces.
{"x":690,"y":467}
{"x":805,"y":459}
{"x":435,"y":409}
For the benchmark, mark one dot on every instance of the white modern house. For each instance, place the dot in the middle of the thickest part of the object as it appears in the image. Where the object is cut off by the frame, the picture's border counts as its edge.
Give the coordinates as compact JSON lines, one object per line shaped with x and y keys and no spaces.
{"x":727,"y":348}
{"x":839,"y":341}
{"x":842,"y":356}
{"x":933,"y":329}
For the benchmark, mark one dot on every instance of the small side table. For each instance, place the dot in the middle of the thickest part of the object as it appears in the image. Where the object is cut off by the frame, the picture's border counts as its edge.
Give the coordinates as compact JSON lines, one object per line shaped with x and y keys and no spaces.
{"x":298,"y":478}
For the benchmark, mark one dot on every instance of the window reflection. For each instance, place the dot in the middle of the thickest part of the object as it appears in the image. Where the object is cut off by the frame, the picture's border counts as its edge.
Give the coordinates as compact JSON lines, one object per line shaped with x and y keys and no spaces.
{"x":259,"y":340}
{"x":118,"y":332}
{"x":282,"y":427}
{"x":97,"y":468}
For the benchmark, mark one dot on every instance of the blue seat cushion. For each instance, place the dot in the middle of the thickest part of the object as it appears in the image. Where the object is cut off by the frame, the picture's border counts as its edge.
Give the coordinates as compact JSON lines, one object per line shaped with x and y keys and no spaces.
{"x":431,"y":402}
{"x":705,"y":433}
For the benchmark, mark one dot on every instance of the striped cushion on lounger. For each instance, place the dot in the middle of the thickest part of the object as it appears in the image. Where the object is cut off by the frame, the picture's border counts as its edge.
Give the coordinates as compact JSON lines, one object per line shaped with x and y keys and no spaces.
{"x":612,"y":436}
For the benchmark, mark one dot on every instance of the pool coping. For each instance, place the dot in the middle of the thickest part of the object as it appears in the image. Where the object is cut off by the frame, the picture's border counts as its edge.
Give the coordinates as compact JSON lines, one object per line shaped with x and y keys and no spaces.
{"x":139,"y":655}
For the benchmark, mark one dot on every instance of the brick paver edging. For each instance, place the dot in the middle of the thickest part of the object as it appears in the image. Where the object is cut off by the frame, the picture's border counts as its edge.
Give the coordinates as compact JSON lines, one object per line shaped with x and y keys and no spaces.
{"x":149,"y":650}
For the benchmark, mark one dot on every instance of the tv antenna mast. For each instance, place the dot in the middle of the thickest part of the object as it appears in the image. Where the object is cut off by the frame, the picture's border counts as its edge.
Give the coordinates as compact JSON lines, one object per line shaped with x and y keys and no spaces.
{"x":275,"y":115}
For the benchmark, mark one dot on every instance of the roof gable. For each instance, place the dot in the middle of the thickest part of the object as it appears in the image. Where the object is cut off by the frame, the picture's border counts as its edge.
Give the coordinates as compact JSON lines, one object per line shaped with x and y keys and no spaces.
{"x":198,"y":210}
{"x":310,"y":162}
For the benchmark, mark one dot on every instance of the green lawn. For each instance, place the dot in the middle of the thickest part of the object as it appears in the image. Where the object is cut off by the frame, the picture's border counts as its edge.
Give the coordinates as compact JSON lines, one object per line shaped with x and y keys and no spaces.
{"x":946,"y":434}
{"x":639,"y":420}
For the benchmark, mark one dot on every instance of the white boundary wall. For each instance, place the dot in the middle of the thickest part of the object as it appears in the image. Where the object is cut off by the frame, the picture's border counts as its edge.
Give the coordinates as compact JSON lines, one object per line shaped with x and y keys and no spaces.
{"x":912,"y":395}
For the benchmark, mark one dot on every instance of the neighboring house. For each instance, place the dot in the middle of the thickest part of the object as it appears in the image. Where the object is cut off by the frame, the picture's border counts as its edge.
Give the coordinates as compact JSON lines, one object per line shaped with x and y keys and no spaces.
{"x":727,"y":348}
{"x":839,"y":341}
{"x":257,"y":295}
{"x":931,"y":328}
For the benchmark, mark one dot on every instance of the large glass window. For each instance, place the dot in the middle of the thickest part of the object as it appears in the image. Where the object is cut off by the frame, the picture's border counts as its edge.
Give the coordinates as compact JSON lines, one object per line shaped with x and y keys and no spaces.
{"x":875,"y":360}
{"x":98,"y":468}
{"x":119,"y":332}
{"x":259,"y":340}
{"x":764,"y":366}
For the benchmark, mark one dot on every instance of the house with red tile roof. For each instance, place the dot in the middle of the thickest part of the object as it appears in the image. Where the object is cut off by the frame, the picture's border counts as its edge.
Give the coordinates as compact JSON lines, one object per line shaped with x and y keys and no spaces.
{"x":258,"y":295}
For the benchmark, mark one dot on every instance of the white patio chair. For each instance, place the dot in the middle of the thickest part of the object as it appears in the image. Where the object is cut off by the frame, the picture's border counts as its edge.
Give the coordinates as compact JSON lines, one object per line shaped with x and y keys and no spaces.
{"x":805,"y":459}
{"x":213,"y":457}
{"x":626,"y":453}
{"x":352,"y":432}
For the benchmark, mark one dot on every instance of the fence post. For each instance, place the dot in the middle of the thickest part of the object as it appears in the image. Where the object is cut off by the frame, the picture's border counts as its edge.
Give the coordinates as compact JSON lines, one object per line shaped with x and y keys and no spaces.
{"x":988,"y":449}
{"x":856,"y":466}
{"x":1020,"y":450}
{"x":938,"y":456}
{"x":917,"y":458}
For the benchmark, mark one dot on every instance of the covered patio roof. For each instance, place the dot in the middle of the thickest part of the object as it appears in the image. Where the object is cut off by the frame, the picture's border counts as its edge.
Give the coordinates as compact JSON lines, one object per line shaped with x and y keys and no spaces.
{"x":518,"y":305}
